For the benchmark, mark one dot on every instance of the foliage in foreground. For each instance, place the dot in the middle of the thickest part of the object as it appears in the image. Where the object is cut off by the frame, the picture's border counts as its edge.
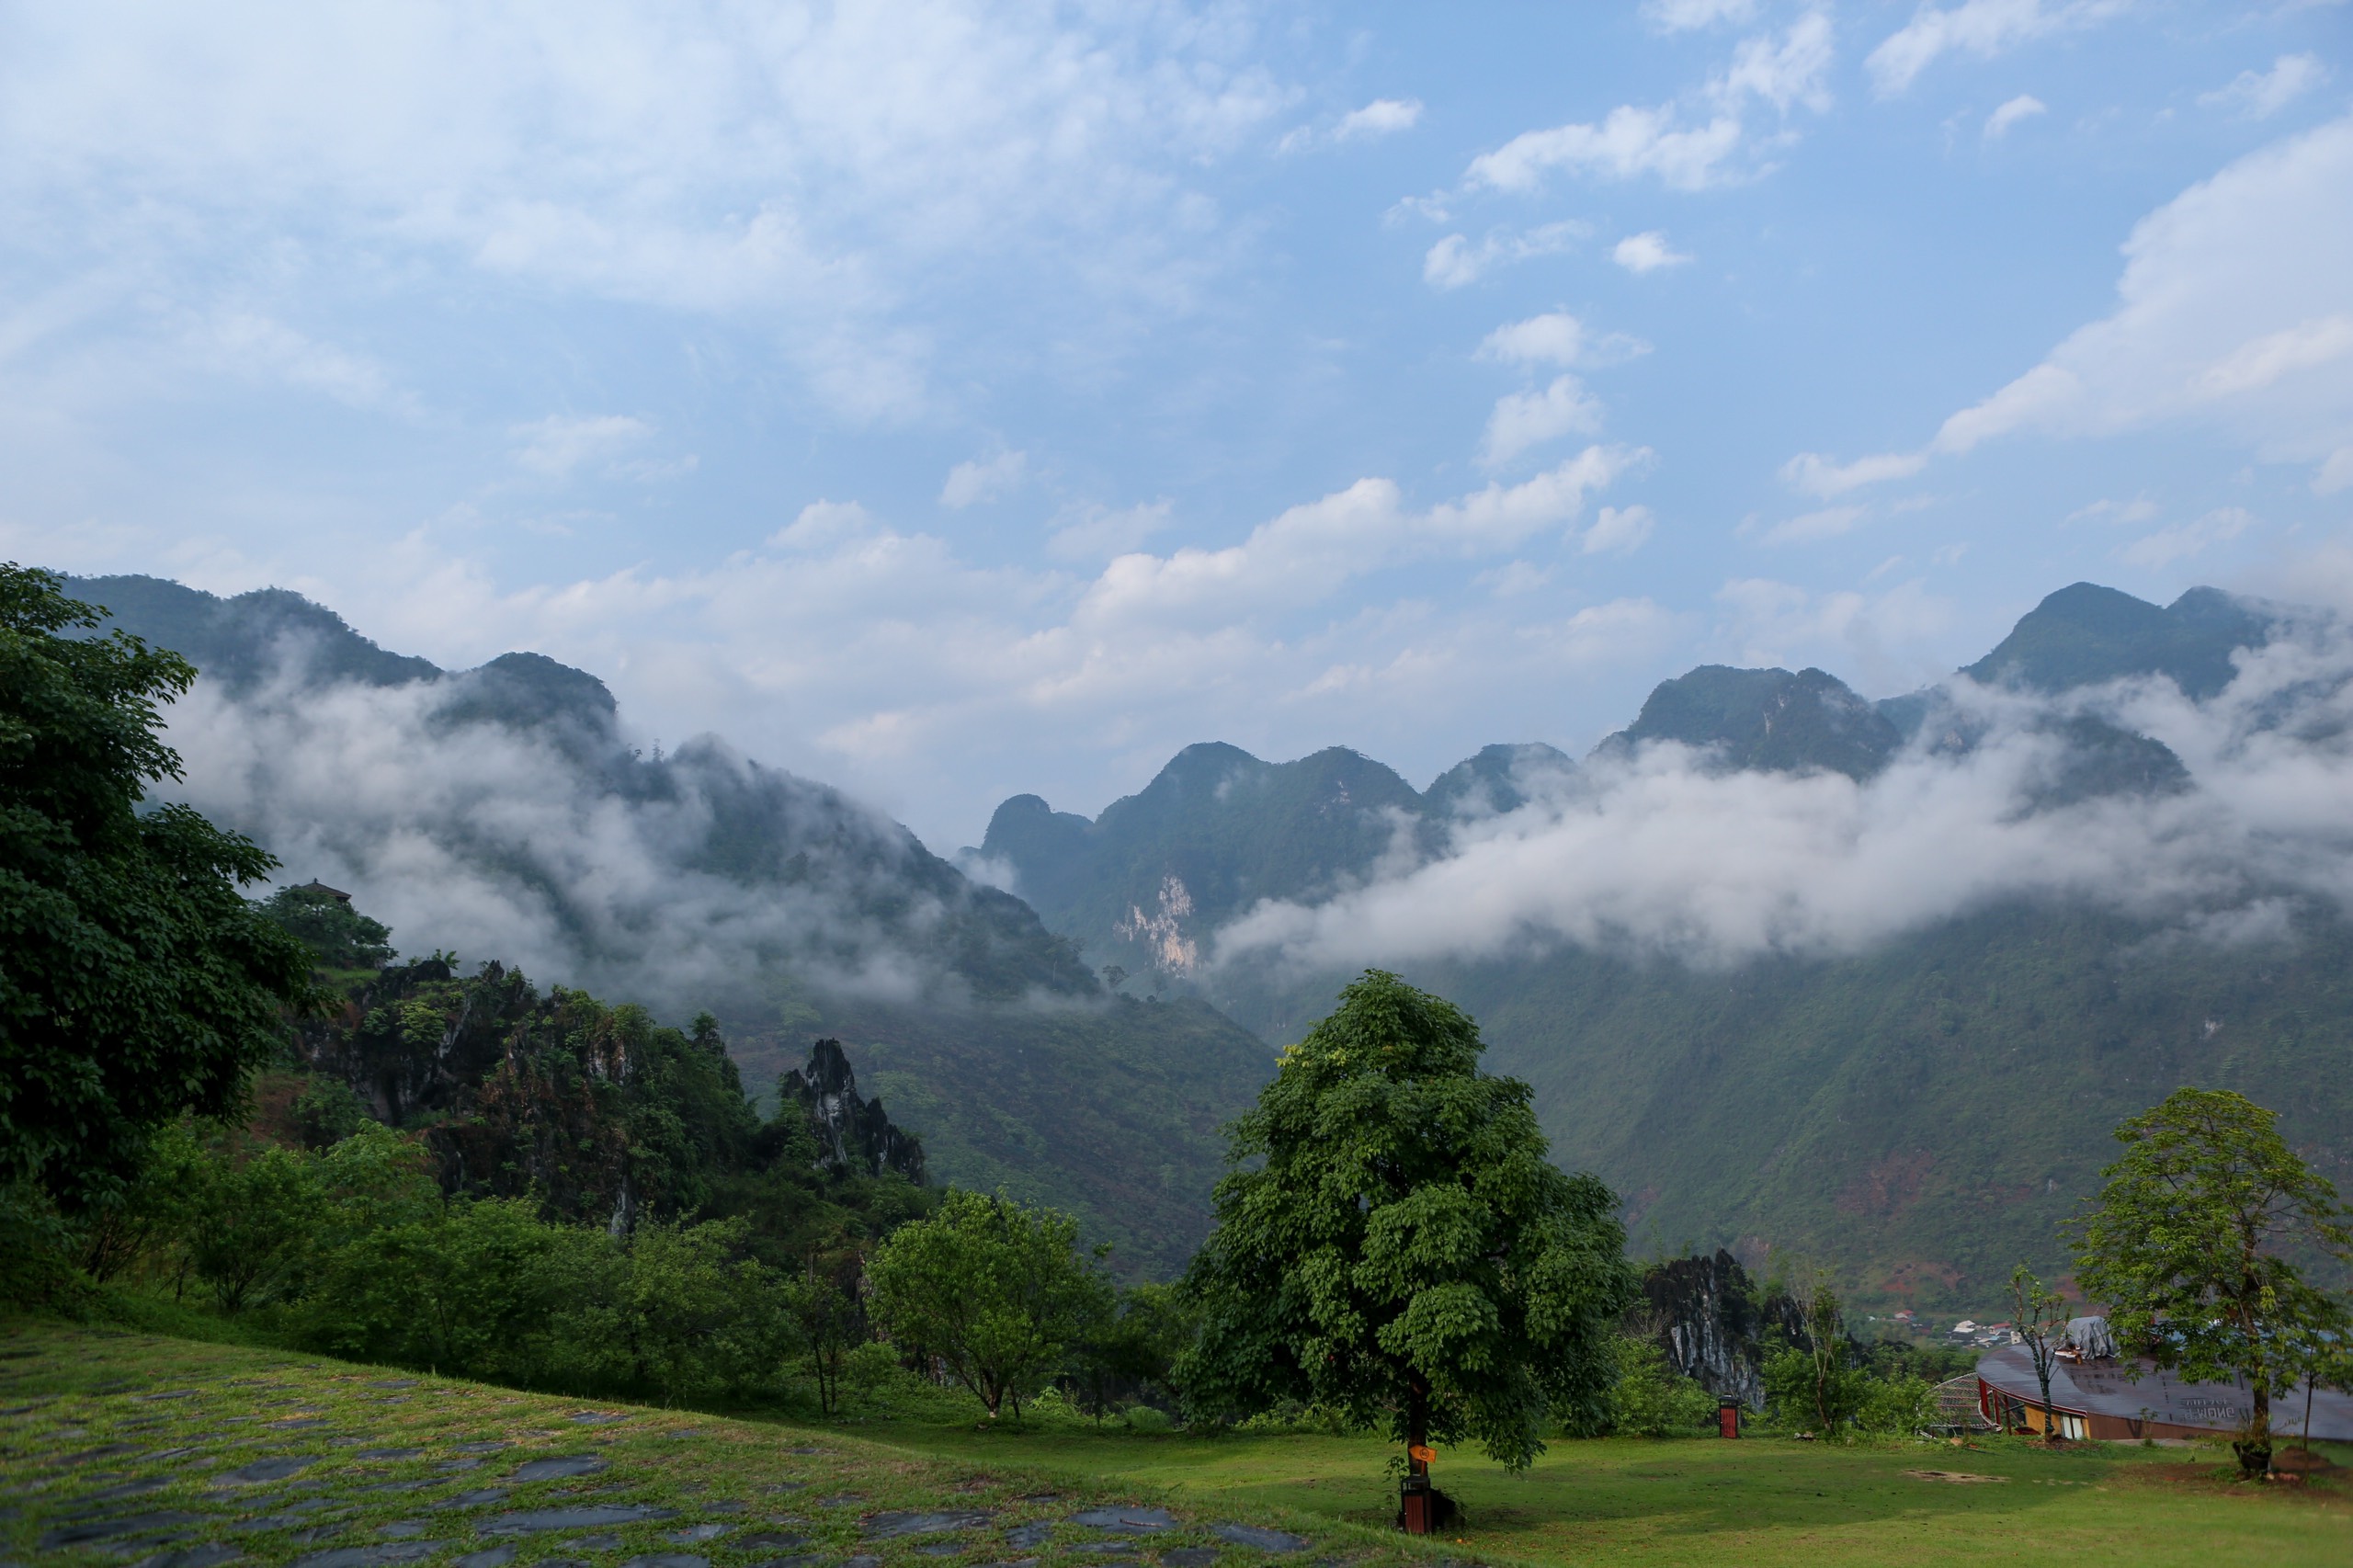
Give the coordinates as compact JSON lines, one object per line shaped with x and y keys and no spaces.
{"x":139,"y":984}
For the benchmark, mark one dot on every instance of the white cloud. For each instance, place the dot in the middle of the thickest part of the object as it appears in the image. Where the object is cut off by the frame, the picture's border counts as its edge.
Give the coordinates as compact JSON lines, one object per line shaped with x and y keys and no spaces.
{"x":1455,"y":261}
{"x":1980,"y":28}
{"x":1791,"y":72}
{"x":1684,"y":16}
{"x":982,"y":479}
{"x":2258,"y":94}
{"x":1646,"y":252}
{"x":1104,"y":532}
{"x":2166,"y":546}
{"x":1827,"y":523}
{"x":252,"y":343}
{"x":1522,"y":420}
{"x":2026,"y":106}
{"x":1628,"y":143}
{"x":1559,"y":338}
{"x":806,"y":173}
{"x":2336,"y":472}
{"x":1692,"y":145}
{"x":1309,"y":550}
{"x":1619,"y":530}
{"x":2140,"y":509}
{"x":558,"y":446}
{"x":1657,"y":854}
{"x":1811,"y":474}
{"x":822,"y":524}
{"x":1382,"y":117}
{"x":2235,"y":308}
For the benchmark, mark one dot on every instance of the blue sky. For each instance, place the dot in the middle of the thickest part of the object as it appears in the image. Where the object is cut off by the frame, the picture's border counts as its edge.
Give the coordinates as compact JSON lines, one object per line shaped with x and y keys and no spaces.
{"x":949,"y":399}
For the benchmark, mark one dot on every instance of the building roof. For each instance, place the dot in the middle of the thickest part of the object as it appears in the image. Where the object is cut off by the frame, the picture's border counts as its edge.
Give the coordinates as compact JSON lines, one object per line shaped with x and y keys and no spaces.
{"x":2112,"y":1387}
{"x":315,"y":885}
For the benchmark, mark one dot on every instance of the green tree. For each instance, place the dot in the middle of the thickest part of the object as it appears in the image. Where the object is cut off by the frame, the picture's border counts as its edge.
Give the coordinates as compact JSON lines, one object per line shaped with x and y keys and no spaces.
{"x":2039,"y":1318}
{"x":998,"y":1292}
{"x":2188,"y":1244}
{"x":1134,"y":1350}
{"x":147,"y":1213}
{"x":832,"y":1324}
{"x":139,"y":984}
{"x":1393,"y":1243}
{"x":460,"y":1291}
{"x":1651,"y":1399}
{"x":339,"y":935}
{"x":253,"y":1219}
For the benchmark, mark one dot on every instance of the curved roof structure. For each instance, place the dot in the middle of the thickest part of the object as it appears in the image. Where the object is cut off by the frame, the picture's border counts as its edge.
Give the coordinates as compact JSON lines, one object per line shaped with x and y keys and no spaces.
{"x":2147,"y":1401}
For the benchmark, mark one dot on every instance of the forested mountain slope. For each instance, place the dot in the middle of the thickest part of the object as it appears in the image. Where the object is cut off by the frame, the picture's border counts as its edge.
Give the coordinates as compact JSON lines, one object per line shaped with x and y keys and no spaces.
{"x":503,"y":812}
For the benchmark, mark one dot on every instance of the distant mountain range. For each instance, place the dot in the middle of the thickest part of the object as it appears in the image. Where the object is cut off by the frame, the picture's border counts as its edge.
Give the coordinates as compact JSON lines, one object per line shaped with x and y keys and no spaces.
{"x":1921,"y":1109}
{"x":1916,"y":1103}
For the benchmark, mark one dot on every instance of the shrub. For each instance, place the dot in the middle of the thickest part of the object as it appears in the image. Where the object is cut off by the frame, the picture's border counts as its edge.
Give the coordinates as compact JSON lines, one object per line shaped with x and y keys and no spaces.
{"x":1651,"y":1399}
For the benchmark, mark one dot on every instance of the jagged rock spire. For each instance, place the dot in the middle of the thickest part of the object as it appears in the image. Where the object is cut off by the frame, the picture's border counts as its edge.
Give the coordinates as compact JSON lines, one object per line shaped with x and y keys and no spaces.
{"x":853,"y":1134}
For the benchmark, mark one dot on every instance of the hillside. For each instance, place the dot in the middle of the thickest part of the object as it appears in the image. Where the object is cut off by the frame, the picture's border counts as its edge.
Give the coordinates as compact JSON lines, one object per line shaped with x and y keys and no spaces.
{"x":1921,"y":1104}
{"x":504,"y":813}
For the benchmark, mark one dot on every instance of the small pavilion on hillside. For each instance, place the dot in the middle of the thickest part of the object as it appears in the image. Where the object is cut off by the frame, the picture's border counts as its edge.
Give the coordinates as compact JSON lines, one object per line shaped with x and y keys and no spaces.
{"x":2112,"y":1397}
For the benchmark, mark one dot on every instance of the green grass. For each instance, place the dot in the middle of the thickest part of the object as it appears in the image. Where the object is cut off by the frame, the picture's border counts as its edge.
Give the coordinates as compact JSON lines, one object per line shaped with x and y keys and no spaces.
{"x":67,"y":1389}
{"x":1753,"y":1503}
{"x":107,"y":1425}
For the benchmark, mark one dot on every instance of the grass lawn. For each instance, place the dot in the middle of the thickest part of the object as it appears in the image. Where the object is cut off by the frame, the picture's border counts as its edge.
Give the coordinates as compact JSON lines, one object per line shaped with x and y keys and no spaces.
{"x":1755,"y":1502}
{"x":119,"y":1447}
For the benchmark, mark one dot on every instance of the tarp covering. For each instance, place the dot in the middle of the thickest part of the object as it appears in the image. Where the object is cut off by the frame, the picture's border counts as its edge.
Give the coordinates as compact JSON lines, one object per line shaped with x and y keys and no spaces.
{"x":2089,"y":1339}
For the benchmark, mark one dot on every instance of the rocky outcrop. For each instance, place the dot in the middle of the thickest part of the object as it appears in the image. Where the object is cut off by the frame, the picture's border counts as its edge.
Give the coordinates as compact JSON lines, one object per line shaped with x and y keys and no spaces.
{"x":853,"y":1136}
{"x":1712,"y":1322}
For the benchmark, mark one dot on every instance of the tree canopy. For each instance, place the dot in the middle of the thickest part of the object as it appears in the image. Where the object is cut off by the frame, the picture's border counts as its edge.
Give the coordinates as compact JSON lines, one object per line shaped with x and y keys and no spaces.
{"x":140,"y":985}
{"x":1393,"y":1242}
{"x":339,"y":935}
{"x":998,"y":1292}
{"x":2190,"y":1245}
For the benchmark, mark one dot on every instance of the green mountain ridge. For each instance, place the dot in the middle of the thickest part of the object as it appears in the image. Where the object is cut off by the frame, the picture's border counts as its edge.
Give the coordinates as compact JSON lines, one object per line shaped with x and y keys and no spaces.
{"x":1922,"y":1113}
{"x":1005,"y":1054}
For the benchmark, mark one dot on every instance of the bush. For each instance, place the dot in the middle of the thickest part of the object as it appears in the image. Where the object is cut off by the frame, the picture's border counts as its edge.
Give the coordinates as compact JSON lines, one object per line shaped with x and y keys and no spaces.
{"x":1651,"y":1399}
{"x":1144,"y":1418}
{"x":868,"y":1367}
{"x":1804,"y":1394}
{"x":1899,"y":1405}
{"x":460,"y":1291}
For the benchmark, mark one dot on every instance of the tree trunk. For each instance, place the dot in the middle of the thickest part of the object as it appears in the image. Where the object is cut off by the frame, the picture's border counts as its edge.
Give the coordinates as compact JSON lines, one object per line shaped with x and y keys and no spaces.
{"x":1418,"y":1422}
{"x":2259,"y":1429}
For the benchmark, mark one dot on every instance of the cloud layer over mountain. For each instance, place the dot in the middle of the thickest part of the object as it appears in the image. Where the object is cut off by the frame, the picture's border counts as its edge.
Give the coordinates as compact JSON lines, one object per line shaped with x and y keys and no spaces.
{"x":471,"y":816}
{"x":1660,"y":851}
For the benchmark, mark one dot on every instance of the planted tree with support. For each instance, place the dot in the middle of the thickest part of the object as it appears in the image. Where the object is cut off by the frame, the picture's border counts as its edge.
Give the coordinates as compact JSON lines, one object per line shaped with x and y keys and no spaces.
{"x":1392,"y":1245}
{"x":2190,"y":1245}
{"x":2039,"y":1316}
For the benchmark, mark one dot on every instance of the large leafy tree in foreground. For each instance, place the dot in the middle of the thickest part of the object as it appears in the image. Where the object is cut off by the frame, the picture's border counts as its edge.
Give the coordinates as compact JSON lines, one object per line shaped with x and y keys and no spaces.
{"x":1393,"y":1243}
{"x":2191,"y":1243}
{"x":136,"y":983}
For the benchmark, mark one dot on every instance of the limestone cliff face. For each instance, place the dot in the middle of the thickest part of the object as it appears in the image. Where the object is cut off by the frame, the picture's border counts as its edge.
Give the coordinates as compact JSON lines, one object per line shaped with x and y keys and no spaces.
{"x":1711,"y":1320}
{"x":853,"y":1136}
